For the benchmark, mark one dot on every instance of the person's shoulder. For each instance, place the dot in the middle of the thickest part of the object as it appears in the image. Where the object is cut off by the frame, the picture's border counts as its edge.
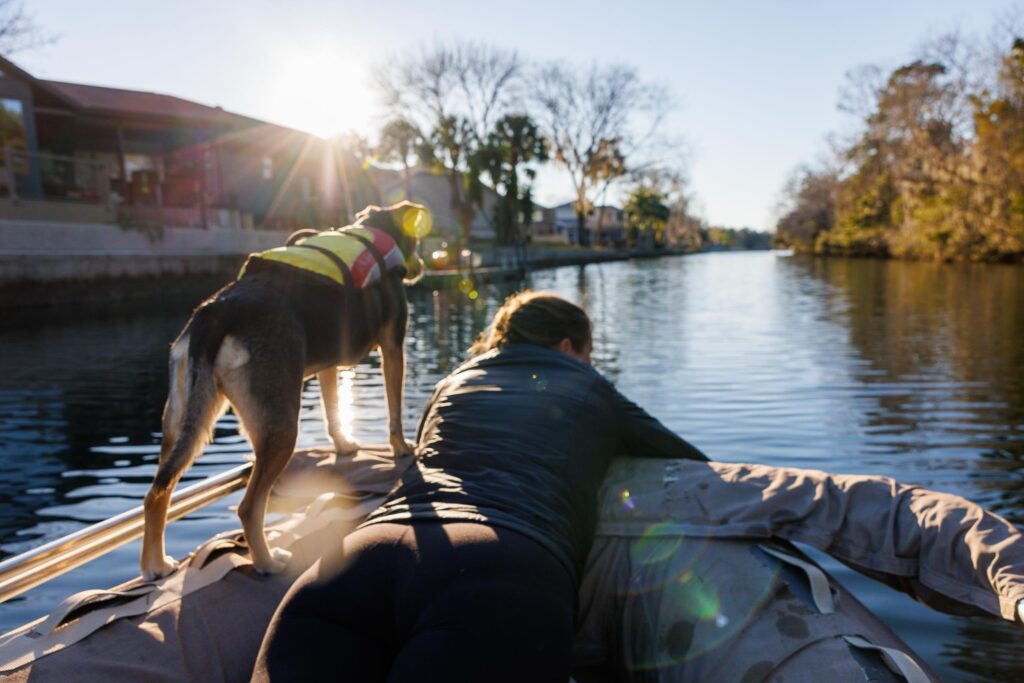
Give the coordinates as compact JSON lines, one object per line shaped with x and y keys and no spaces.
{"x":480,"y":359}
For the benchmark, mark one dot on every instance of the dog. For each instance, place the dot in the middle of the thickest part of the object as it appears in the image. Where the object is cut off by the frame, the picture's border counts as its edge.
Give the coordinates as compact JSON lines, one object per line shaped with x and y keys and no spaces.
{"x":254,"y":342}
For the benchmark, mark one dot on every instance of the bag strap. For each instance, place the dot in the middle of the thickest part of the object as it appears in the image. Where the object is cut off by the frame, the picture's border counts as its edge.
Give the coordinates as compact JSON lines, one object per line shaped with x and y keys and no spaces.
{"x":820,"y":590}
{"x":897,"y":660}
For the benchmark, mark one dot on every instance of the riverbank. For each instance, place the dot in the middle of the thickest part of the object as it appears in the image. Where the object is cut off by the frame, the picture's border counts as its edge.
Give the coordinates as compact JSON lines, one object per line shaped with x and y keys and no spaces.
{"x":45,"y":264}
{"x":503,"y":268}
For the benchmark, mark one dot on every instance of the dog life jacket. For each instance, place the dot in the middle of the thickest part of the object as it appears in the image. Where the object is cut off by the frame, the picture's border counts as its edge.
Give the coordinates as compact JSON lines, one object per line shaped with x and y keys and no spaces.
{"x":320,"y":254}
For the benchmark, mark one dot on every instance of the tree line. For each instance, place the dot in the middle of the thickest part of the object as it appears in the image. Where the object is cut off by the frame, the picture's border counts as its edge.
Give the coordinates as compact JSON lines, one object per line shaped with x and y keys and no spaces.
{"x":483,"y":116}
{"x":935,"y":168}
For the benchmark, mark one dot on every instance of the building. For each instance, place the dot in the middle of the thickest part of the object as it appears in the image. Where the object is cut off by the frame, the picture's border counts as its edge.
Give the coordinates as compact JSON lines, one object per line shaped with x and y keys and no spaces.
{"x":84,"y":153}
{"x":433,"y":190}
{"x":605,"y":225}
{"x":544,"y":229}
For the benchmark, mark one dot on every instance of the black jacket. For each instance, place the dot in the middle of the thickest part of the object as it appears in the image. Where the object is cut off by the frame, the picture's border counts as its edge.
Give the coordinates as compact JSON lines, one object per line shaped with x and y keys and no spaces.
{"x":520,"y":437}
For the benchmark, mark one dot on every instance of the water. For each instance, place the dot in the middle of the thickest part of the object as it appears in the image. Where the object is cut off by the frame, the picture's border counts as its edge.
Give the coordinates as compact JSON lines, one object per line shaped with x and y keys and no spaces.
{"x":909,"y":370}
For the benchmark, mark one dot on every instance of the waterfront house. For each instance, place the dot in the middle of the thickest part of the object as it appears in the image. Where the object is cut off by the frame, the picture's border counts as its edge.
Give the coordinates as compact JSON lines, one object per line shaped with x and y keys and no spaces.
{"x":85,"y":153}
{"x":604,"y":224}
{"x":544,"y":228}
{"x":433,"y":189}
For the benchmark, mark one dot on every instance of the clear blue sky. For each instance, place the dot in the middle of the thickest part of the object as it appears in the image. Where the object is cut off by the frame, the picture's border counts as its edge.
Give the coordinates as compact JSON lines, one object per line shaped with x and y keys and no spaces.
{"x":756,"y":82}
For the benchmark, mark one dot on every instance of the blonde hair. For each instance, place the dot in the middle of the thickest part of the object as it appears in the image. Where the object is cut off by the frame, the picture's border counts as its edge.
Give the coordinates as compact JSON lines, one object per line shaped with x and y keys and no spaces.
{"x":535,"y":318}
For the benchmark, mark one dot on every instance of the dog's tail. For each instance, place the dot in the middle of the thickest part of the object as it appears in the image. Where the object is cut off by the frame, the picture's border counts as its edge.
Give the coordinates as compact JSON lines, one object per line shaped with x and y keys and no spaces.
{"x":193,"y":402}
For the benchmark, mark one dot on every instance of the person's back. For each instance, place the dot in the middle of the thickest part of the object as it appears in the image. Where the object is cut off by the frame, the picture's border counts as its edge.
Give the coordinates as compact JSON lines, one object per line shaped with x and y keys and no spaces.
{"x":520,"y":437}
{"x":470,"y":568}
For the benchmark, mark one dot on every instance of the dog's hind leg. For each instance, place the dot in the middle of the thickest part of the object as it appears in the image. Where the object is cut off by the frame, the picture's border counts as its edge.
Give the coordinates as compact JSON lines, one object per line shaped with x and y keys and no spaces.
{"x":329,"y":400}
{"x":269,"y":410}
{"x":192,"y":407}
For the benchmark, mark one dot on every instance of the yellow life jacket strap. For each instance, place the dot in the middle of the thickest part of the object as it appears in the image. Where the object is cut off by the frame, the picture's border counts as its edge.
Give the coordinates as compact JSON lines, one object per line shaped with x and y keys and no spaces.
{"x":347,"y":280}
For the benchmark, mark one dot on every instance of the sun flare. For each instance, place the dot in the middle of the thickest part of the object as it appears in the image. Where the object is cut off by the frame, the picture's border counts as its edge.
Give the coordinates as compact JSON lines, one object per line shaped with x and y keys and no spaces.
{"x":321,"y":90}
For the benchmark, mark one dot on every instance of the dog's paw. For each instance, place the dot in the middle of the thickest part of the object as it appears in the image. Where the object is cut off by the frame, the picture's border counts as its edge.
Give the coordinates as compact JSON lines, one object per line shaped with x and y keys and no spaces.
{"x":400,"y":447}
{"x":278,"y":562}
{"x":165,"y":568}
{"x":343,"y":446}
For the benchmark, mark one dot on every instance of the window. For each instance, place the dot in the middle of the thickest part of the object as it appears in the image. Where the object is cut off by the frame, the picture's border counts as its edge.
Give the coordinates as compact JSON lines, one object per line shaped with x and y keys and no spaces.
{"x":12,"y":136}
{"x":12,"y":123}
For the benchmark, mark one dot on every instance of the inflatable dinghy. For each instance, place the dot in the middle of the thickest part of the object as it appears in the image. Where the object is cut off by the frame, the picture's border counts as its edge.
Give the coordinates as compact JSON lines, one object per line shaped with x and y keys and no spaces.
{"x":692,"y":577}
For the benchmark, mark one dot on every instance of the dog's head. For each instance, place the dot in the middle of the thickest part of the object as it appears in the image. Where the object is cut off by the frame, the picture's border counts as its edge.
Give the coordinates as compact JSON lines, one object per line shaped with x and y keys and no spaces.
{"x":406,"y":222}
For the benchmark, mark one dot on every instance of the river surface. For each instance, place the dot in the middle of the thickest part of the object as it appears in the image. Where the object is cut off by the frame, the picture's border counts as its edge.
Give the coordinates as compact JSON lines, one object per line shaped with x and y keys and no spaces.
{"x":909,"y":370}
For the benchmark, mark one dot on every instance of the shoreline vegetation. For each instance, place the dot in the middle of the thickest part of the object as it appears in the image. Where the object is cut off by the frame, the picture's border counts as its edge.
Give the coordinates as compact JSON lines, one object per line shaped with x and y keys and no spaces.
{"x":935,"y":167}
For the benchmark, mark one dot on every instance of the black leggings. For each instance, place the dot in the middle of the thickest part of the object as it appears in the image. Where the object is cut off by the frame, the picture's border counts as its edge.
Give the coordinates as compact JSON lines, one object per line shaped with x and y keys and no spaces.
{"x":427,"y":601}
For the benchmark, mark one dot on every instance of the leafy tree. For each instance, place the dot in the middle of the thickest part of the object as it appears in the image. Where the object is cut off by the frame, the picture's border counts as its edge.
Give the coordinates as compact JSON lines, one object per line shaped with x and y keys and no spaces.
{"x":743,"y":238}
{"x":683,"y":227}
{"x":401,"y":142}
{"x":450,"y":148}
{"x":903,"y":190}
{"x":999,"y":158}
{"x":514,"y":143}
{"x":906,"y":165}
{"x":646,"y":216}
{"x":808,"y":208}
{"x":937,"y":170}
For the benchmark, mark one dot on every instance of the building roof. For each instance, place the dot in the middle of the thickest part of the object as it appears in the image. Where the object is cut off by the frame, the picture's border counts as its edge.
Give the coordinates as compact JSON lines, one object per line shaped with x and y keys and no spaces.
{"x":138,"y":102}
{"x":96,"y":99}
{"x":434,"y":190}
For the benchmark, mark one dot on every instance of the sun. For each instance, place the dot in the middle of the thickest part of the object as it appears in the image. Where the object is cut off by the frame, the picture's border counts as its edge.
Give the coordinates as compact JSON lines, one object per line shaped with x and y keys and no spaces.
{"x":321,"y":90}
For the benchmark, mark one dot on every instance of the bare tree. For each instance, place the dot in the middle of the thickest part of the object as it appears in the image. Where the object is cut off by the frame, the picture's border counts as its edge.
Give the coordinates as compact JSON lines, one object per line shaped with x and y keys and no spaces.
{"x":599,"y":122}
{"x":859,"y":91}
{"x":452,"y":95}
{"x":488,"y":80}
{"x":18,"y":29}
{"x":466,"y":80}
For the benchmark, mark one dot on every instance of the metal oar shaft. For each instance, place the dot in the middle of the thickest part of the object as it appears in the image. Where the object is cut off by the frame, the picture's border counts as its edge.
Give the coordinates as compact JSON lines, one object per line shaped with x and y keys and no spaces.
{"x":22,"y":572}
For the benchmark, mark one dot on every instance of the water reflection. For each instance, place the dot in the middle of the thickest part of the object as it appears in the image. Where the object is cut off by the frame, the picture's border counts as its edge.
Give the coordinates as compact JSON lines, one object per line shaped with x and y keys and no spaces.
{"x":945,"y":364}
{"x":942,"y":373}
{"x":914,"y":371}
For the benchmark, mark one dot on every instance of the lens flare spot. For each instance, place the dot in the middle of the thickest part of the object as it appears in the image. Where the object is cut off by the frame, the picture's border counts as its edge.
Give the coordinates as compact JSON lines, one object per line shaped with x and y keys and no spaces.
{"x":693,"y":589}
{"x":417,"y":222}
{"x":627,"y":501}
{"x":539,"y":383}
{"x":465,"y":285}
{"x":473,"y":295}
{"x":656,"y":545}
{"x":707,"y":604}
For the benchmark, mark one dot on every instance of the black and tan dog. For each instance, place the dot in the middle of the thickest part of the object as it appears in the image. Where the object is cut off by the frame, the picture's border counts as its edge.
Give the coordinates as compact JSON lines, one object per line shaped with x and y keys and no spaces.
{"x":254,"y":342}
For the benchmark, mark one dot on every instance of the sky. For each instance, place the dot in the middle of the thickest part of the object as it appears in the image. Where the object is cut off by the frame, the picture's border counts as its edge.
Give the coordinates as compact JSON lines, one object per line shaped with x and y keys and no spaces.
{"x":754,"y":83}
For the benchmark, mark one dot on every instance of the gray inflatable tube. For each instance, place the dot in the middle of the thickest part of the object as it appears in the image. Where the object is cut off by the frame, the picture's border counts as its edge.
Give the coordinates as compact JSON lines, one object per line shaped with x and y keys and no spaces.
{"x":692,"y":577}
